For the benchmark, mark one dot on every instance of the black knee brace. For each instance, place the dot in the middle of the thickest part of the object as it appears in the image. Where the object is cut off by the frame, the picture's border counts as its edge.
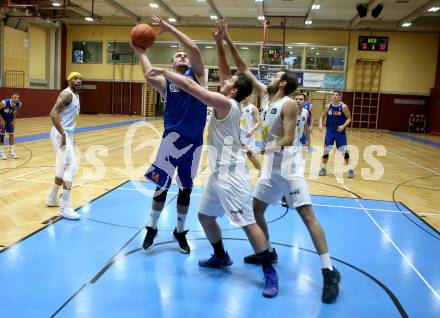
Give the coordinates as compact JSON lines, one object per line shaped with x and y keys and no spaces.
{"x":346,"y":155}
{"x":183,"y":197}
{"x":325,"y":156}
{"x":162,"y":196}
{"x":2,"y":139}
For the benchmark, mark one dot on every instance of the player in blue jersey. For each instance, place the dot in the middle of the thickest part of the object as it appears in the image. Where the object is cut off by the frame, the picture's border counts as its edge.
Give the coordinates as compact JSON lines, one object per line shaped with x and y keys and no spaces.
{"x":338,"y":118}
{"x":184,"y":122}
{"x":8,"y":112}
{"x":310,"y":118}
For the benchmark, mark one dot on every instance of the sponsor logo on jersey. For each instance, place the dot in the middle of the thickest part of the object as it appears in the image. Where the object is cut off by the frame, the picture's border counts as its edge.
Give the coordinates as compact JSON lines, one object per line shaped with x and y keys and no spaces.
{"x":174,"y":88}
{"x":273,"y":111}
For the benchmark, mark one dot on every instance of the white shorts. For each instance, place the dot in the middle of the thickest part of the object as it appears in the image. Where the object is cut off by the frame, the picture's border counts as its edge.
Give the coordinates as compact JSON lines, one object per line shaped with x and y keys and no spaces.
{"x":65,"y":164}
{"x":271,"y":190}
{"x":232,"y":194}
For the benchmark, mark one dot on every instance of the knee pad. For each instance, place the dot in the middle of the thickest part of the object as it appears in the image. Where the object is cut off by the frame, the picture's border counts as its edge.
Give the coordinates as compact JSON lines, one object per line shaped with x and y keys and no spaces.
{"x":346,"y":155}
{"x":2,"y":138}
{"x":325,"y":156}
{"x":162,"y":196}
{"x":184,"y":197}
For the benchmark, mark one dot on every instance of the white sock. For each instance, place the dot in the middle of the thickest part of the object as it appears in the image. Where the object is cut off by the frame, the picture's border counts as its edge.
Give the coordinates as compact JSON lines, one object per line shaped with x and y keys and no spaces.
{"x":154,"y":218}
{"x":11,"y":148}
{"x":66,"y":198}
{"x":269,"y":246}
{"x":180,"y":222}
{"x":54,"y":192}
{"x":325,"y":261}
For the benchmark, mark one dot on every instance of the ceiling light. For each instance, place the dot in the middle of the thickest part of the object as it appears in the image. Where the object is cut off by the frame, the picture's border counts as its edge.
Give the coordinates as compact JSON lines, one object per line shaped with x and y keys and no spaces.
{"x":312,"y":48}
{"x":335,"y":49}
{"x":154,"y":5}
{"x":56,"y":4}
{"x":261,"y":17}
{"x":289,"y":47}
{"x":171,"y":20}
{"x":201,"y":0}
{"x":406,"y":24}
{"x":316,"y":6}
{"x":308,"y":22}
{"x":89,"y":19}
{"x":317,"y":53}
{"x":173,"y":45}
{"x":213,"y":17}
{"x":209,"y":47}
{"x":245,"y":48}
{"x":434,"y":9}
{"x":258,"y":0}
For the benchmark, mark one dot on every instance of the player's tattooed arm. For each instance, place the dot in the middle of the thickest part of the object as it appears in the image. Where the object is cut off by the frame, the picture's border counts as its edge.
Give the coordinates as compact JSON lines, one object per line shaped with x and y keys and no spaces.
{"x":64,"y":99}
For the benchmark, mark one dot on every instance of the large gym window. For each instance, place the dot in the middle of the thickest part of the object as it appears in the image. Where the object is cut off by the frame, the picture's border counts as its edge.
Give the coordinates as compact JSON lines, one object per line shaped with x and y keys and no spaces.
{"x":161,"y":53}
{"x":293,"y":56}
{"x":121,"y":53}
{"x":325,"y":58}
{"x":250,"y":53}
{"x":86,"y":52}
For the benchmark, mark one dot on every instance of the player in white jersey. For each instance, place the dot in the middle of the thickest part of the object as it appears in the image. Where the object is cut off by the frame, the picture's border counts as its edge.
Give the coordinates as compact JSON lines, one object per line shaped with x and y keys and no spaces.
{"x":227,"y":189}
{"x":278,"y":179}
{"x":64,"y":115}
{"x":249,"y":123}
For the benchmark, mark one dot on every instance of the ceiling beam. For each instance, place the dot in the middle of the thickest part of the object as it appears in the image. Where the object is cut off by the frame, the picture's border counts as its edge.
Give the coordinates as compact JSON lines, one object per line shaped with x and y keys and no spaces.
{"x":357,"y":19}
{"x":170,"y":11}
{"x":418,"y":12}
{"x":214,"y":8}
{"x":78,"y":9}
{"x":124,"y":10}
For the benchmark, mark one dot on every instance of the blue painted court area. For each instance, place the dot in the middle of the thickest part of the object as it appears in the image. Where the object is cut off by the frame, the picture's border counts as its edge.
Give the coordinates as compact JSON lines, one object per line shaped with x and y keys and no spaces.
{"x":96,"y":267}
{"x":417,"y":139}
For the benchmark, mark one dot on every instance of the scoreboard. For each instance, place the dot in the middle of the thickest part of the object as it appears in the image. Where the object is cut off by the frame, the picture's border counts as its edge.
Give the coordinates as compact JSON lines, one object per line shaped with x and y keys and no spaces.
{"x":373,"y":43}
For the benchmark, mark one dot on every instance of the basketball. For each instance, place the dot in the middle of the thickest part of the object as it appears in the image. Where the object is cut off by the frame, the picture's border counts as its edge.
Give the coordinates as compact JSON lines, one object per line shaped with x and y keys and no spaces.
{"x":143,"y":35}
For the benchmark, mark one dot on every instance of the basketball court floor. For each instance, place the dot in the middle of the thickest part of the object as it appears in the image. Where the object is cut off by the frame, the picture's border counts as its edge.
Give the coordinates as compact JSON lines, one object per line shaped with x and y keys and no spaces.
{"x":383,"y":235}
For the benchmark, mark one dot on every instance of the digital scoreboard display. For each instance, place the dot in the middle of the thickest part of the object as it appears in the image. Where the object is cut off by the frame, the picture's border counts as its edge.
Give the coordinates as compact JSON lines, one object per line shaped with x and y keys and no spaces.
{"x":373,"y":43}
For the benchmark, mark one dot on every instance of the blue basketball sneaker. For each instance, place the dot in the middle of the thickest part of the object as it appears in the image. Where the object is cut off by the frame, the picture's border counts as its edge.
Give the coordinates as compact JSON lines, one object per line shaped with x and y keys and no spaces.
{"x":271,"y":280}
{"x":216,"y":261}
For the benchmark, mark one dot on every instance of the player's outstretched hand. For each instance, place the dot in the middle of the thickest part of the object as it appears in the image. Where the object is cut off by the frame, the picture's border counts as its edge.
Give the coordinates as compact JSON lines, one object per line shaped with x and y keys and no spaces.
{"x":137,"y":49}
{"x":161,"y":23}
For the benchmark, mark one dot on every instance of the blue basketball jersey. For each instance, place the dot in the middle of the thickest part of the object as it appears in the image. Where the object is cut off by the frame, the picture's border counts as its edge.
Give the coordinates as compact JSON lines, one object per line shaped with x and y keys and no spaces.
{"x":335,"y":117}
{"x":8,"y":111}
{"x":184,"y":114}
{"x":309,"y":117}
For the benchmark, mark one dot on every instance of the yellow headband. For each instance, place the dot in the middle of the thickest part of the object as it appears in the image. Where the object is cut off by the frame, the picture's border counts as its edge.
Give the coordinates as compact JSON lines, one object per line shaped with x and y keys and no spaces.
{"x":73,"y":74}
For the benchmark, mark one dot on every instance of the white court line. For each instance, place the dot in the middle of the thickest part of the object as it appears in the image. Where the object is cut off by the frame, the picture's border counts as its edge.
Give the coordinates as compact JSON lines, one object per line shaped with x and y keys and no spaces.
{"x":396,"y":247}
{"x":199,"y":194}
{"x":403,"y":158}
{"x":46,"y":168}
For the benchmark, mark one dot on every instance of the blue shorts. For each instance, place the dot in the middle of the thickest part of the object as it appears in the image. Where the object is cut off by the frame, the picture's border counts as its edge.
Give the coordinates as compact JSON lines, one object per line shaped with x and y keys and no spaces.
{"x":175,"y":152}
{"x":303,"y":139}
{"x":8,"y":128}
{"x":333,"y":136}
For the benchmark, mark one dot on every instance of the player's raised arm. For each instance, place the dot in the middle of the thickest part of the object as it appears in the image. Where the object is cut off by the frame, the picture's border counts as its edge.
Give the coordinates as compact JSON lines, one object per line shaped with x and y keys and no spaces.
{"x":220,"y":102}
{"x":195,"y":56}
{"x":242,"y":67}
{"x":224,"y":69}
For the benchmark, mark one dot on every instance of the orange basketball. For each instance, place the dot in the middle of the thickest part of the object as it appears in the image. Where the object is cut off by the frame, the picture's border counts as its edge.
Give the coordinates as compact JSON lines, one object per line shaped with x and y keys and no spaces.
{"x":143,"y":35}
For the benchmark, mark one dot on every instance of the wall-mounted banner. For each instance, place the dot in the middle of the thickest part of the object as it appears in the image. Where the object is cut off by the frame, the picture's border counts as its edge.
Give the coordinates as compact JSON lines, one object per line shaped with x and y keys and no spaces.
{"x":314,"y":80}
{"x":334,"y":81}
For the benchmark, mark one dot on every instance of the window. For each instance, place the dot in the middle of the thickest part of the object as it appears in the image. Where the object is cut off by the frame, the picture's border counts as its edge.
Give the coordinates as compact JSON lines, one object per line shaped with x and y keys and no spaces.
{"x":162,"y":52}
{"x":325,"y":58}
{"x":250,"y":53}
{"x":121,"y":53}
{"x":293,"y":57}
{"x":87,"y":52}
